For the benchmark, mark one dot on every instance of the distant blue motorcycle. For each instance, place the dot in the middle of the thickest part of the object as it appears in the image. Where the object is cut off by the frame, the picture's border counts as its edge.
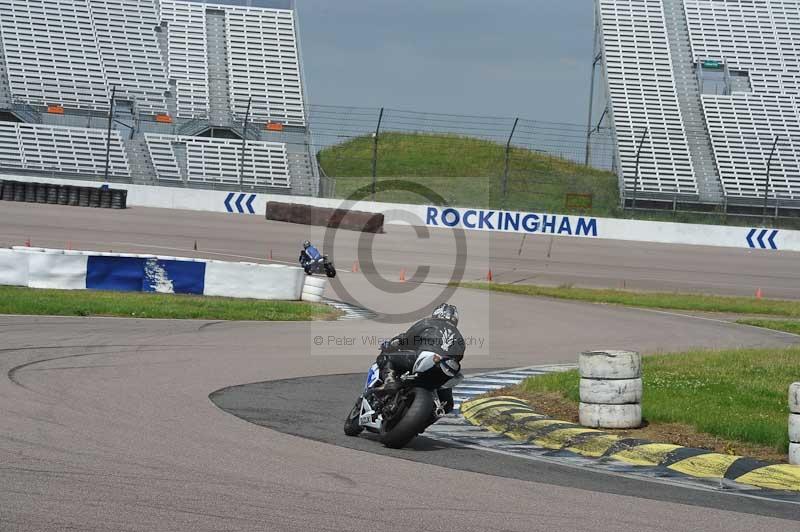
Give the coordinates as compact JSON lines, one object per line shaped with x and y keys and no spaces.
{"x":313,"y":261}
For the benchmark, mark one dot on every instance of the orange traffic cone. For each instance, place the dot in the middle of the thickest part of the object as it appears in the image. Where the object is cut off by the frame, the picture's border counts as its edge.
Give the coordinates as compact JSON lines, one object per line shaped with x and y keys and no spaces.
{"x":195,"y":245}
{"x":28,"y":243}
{"x":489,"y":276}
{"x":354,"y":269}
{"x":69,"y":244}
{"x":402,"y":275}
{"x":759,"y":294}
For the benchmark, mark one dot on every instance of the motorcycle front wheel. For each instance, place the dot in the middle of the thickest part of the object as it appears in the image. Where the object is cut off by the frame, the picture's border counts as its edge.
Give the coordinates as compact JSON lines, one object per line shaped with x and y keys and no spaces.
{"x":351,"y":425}
{"x":414,"y":420}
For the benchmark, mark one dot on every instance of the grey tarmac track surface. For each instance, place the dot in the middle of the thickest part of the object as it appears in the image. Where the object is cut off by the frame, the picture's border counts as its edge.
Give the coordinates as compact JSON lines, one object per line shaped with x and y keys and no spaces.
{"x":106,"y":424}
{"x":583,"y":262}
{"x":322,"y":400}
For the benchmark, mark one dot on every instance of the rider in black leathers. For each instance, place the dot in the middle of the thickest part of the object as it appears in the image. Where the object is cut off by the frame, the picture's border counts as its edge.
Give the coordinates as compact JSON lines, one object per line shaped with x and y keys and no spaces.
{"x":438,"y":334}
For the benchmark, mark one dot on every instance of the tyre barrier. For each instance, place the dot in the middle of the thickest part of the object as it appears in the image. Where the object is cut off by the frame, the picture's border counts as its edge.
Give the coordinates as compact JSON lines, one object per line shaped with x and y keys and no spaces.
{"x":30,"y":192}
{"x":41,"y":193}
{"x":313,"y":288}
{"x":794,"y":423}
{"x":19,"y":191}
{"x":610,"y":389}
{"x":107,"y":198}
{"x":52,"y":194}
{"x":366,"y":222}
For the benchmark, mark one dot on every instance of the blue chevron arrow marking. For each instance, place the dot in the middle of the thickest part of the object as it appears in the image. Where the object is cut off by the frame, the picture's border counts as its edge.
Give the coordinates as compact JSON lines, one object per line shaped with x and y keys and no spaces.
{"x":228,"y":202}
{"x":771,"y":239}
{"x":761,"y":236}
{"x":250,"y":204}
{"x":239,"y":203}
{"x":750,"y":238}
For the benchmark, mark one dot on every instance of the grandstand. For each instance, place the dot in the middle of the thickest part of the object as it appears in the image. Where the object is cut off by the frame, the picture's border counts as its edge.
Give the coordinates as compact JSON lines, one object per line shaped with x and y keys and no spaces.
{"x":704,"y":90}
{"x":206,"y":95}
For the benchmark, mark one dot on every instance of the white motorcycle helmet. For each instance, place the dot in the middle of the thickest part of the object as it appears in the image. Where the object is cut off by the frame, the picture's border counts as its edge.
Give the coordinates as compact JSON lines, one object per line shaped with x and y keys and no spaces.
{"x":446,"y":312}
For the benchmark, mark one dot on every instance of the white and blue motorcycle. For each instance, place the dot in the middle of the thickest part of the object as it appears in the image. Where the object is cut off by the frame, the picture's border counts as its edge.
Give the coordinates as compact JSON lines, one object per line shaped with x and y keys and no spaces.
{"x":398,"y":416}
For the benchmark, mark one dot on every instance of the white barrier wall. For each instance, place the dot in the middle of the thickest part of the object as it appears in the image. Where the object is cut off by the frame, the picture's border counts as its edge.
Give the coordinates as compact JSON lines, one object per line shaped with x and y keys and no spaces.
{"x":257,"y":281}
{"x":80,"y":270}
{"x":465,"y":218}
{"x":54,"y":270}
{"x":13,"y":268}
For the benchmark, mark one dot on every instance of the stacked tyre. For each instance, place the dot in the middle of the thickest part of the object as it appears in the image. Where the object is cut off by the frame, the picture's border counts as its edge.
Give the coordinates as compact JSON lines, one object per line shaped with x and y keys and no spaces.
{"x":313,"y":288}
{"x":794,"y":423}
{"x":610,"y":389}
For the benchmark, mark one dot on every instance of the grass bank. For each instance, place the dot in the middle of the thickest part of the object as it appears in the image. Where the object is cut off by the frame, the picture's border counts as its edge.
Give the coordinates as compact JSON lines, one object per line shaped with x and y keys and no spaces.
{"x":671,"y":301}
{"x":730,"y":400}
{"x":468,"y":172}
{"x":777,"y":325}
{"x":30,"y":301}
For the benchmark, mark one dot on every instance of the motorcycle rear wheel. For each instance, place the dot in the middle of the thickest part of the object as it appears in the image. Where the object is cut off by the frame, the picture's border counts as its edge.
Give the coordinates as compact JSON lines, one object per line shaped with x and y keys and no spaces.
{"x":330,"y":271}
{"x":351,"y":425}
{"x":415,"y":419}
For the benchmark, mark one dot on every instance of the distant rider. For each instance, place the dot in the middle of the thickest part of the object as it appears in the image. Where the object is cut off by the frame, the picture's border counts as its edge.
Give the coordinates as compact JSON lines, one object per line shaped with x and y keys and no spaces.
{"x":438,"y":334}
{"x":308,"y":253}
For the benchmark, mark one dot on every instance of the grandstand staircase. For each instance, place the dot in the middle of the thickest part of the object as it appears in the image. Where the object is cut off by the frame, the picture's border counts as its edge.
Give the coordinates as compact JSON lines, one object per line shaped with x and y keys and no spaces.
{"x":163,"y":48}
{"x":5,"y":88}
{"x":142,"y":169}
{"x":688,"y":91}
{"x":218,"y":90}
{"x":303,"y":181}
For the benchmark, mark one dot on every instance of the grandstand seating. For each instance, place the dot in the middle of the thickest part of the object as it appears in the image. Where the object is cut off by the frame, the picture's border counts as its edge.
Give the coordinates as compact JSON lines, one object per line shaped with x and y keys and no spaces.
{"x":762,"y":40}
{"x":218,"y":161}
{"x":743,"y":129}
{"x":131,"y":56}
{"x":52,"y":53}
{"x":264,"y":64}
{"x":178,"y":67}
{"x":70,"y":150}
{"x":642,"y":91}
{"x":186,"y":30}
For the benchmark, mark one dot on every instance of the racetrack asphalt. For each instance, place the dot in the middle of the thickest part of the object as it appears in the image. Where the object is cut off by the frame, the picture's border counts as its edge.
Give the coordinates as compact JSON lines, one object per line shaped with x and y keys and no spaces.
{"x":106,"y":424}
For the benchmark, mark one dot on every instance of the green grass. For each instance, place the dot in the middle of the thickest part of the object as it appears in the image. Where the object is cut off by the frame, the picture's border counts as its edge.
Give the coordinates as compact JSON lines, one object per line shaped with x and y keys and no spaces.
{"x":18,"y":300}
{"x":733,"y":394}
{"x":673,"y":301}
{"x":778,"y":325}
{"x":467,"y":172}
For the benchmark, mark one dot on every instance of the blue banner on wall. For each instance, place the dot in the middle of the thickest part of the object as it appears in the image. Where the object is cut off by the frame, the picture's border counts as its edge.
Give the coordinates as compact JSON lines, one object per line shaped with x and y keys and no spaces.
{"x":134,"y":274}
{"x":174,"y":276}
{"x":115,"y":273}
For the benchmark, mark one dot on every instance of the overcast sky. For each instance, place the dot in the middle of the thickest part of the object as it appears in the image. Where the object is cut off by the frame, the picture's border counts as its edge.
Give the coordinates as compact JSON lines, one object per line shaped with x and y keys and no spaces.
{"x":527,"y":58}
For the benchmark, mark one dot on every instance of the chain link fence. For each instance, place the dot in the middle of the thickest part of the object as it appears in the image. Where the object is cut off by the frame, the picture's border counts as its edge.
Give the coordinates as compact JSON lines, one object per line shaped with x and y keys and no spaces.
{"x":481,"y":160}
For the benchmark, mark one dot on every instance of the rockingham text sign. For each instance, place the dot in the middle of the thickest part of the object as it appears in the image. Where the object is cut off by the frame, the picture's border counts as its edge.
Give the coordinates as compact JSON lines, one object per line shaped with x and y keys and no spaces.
{"x":512,"y":222}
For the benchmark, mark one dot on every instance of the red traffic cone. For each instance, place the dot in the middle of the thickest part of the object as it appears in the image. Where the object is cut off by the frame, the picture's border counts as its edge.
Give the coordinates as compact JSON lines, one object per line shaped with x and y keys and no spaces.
{"x":270,"y":253}
{"x":759,"y":294}
{"x":69,"y":244}
{"x":354,"y":269}
{"x":28,"y":243}
{"x":489,"y":276}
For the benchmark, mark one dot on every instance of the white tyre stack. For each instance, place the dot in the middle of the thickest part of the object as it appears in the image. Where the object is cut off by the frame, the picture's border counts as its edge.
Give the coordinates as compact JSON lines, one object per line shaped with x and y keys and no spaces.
{"x":794,"y":423}
{"x":610,"y":389}
{"x":313,"y":288}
